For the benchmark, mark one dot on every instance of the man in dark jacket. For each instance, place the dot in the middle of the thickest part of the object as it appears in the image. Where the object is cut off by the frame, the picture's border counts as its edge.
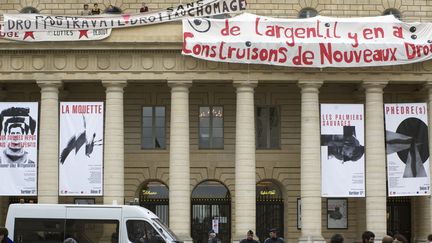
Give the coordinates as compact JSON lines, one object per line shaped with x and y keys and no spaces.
{"x":273,"y":237}
{"x":249,"y":238}
{"x":212,"y":237}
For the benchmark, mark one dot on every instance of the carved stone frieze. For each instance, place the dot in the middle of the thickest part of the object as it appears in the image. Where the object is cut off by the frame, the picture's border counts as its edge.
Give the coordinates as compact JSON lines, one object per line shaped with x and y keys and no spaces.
{"x":129,"y":64}
{"x":17,"y":62}
{"x":81,"y":62}
{"x":60,"y":62}
{"x":38,"y":62}
{"x":125,"y":61}
{"x":147,"y":62}
{"x":103,"y":61}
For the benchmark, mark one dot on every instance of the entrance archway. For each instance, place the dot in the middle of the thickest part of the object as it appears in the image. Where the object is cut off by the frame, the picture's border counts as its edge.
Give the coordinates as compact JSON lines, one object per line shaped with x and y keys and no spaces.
{"x":154,"y":196}
{"x":269,"y":209}
{"x":211,"y":209}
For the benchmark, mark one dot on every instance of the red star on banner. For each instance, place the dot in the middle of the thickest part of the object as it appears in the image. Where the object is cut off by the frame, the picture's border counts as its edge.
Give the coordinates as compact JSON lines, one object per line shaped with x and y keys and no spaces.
{"x":126,"y":18}
{"x":83,"y":33}
{"x":28,"y":34}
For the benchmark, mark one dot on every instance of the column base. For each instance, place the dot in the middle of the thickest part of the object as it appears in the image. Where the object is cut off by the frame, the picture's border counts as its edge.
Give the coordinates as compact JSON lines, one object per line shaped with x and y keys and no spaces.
{"x":311,"y":239}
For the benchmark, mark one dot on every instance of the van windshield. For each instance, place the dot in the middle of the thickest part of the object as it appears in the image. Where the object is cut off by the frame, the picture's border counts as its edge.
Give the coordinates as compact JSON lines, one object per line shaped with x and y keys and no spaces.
{"x":159,"y":224}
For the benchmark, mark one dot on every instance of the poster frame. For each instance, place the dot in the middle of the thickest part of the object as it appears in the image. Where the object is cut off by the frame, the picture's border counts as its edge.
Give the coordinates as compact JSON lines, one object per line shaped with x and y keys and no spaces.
{"x":341,"y":200}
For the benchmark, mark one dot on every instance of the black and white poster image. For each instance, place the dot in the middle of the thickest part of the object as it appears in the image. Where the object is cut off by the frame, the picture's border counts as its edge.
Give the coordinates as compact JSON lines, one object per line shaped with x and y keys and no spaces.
{"x":337,"y":213}
{"x":18,"y":145}
{"x":342,"y":150}
{"x":407,"y":148}
{"x":81,"y":148}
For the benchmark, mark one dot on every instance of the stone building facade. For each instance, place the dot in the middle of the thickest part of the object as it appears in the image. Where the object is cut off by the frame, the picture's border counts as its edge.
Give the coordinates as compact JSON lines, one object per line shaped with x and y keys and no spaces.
{"x":143,"y":67}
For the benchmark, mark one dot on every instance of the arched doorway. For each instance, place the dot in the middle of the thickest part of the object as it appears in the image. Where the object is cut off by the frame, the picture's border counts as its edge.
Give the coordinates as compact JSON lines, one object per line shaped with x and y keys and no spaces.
{"x":211,"y":209}
{"x":154,"y":196}
{"x":269,"y":209}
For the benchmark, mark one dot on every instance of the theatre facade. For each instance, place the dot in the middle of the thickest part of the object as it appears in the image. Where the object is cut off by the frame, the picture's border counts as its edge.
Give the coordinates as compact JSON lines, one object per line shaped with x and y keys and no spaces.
{"x":204,"y":143}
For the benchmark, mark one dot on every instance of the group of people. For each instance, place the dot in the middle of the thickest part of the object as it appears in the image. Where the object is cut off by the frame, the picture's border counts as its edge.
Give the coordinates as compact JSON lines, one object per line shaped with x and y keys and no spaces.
{"x":111,"y":9}
{"x":369,"y":237}
{"x":273,"y":237}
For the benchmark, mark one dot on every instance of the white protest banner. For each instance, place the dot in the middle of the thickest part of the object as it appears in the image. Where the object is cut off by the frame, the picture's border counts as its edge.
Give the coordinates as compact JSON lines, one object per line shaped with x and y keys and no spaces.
{"x":81,"y":149}
{"x":18,"y":148}
{"x":342,"y":150}
{"x":29,"y":23}
{"x":407,"y":147}
{"x":312,"y":42}
{"x":58,"y":35}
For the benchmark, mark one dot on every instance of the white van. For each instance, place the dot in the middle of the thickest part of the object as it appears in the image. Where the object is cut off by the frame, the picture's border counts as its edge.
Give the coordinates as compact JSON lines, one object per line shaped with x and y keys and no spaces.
{"x":60,"y":223}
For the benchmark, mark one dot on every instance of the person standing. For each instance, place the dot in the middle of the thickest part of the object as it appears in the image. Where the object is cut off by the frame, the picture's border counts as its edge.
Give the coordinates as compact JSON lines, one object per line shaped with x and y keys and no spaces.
{"x":212,"y":237}
{"x":368,"y":237}
{"x":273,"y":237}
{"x":249,"y":238}
{"x":337,"y":238}
{"x":95,"y":10}
{"x":86,"y":10}
{"x":144,"y":8}
{"x":4,"y":235}
{"x":399,"y":238}
{"x":387,"y":239}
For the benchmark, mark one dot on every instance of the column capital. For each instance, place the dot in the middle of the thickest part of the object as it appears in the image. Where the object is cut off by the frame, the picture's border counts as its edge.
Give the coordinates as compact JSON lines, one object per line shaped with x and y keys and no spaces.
{"x":114,"y":83}
{"x":245,"y":83}
{"x":428,"y":85}
{"x":49,"y":83}
{"x":179,"y":83}
{"x":374,"y":85}
{"x":309,"y":85}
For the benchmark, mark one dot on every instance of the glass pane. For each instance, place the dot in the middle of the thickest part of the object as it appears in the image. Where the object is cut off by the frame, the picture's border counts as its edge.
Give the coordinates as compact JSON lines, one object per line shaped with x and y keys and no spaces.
{"x":155,"y":189}
{"x":210,"y":189}
{"x":204,"y":132}
{"x":205,"y":122}
{"x":147,"y":111}
{"x":160,"y":121}
{"x":160,"y":111}
{"x":39,"y":230}
{"x":217,"y":132}
{"x":218,"y":143}
{"x":147,"y":122}
{"x":147,"y":142}
{"x":104,"y":231}
{"x":160,"y":138}
{"x":261,"y":127}
{"x":218,"y":122}
{"x":135,"y":230}
{"x":147,"y":132}
{"x":217,"y":111}
{"x":204,"y":142}
{"x":204,"y":111}
{"x":274,"y":127}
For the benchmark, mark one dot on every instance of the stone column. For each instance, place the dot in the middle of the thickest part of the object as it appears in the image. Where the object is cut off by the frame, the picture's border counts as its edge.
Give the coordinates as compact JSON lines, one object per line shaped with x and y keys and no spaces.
{"x":48,"y":142}
{"x":310,"y":177}
{"x":245,"y":182}
{"x":424,"y":204}
{"x":179,"y":164}
{"x":376,"y":200}
{"x":114,"y":143}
